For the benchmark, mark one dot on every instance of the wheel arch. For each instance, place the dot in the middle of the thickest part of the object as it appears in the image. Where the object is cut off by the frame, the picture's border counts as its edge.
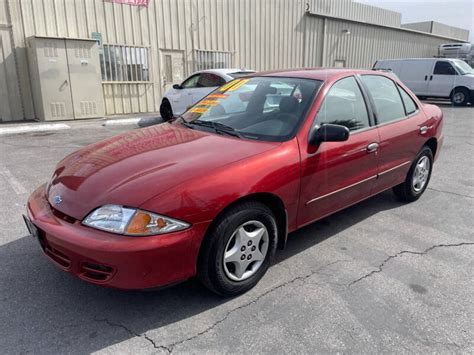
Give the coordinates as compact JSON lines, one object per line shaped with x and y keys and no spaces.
{"x":272,"y":201}
{"x":432,"y":143}
{"x":458,"y":87}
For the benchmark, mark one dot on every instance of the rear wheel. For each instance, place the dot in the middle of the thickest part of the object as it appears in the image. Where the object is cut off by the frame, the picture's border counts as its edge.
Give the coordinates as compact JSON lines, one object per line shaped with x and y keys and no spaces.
{"x":166,"y":111}
{"x":417,"y":178}
{"x":239,"y":249}
{"x":460,"y":97}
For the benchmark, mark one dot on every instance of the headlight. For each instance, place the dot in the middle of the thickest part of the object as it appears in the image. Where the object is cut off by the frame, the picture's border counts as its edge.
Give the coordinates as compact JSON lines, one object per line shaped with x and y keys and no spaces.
{"x":131,"y":221}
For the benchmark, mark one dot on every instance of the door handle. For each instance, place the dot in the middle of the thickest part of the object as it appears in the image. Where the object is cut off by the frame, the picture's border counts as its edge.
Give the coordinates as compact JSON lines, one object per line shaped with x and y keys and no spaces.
{"x":372,"y":147}
{"x":431,"y":77}
{"x":426,"y":77}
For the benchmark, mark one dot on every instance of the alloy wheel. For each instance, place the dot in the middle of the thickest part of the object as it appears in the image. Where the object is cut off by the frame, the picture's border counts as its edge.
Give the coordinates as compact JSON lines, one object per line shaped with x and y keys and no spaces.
{"x":421,"y":173}
{"x":246,"y":250}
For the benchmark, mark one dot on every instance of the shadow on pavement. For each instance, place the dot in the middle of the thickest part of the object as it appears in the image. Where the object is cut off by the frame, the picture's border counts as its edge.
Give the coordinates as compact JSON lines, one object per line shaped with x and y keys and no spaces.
{"x":43,"y":309}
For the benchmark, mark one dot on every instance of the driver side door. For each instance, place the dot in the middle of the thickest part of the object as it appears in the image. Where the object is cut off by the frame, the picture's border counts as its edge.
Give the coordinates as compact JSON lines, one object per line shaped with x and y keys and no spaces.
{"x":335,"y":175}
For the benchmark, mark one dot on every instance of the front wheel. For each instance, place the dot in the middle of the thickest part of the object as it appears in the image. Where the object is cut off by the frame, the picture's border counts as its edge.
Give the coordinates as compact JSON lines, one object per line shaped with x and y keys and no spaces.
{"x":239,"y":249}
{"x":417,"y":178}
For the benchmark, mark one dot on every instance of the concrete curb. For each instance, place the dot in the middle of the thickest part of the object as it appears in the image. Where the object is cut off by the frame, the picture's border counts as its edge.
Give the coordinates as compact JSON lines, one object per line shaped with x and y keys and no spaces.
{"x":26,"y":128}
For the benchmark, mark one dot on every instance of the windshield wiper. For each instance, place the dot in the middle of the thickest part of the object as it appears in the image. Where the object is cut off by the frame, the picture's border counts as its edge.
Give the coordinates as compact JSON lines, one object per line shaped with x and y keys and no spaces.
{"x":217,"y":126}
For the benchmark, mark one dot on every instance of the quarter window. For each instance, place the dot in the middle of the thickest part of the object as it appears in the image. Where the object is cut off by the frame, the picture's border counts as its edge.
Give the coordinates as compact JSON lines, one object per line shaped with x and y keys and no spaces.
{"x":387,"y":100}
{"x":344,"y":105}
{"x":410,"y":105}
{"x":444,"y":68}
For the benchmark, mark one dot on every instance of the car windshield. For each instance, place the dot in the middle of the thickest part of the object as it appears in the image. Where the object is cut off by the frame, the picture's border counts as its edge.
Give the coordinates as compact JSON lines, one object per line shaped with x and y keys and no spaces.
{"x":264,"y":108}
{"x":462,"y":67}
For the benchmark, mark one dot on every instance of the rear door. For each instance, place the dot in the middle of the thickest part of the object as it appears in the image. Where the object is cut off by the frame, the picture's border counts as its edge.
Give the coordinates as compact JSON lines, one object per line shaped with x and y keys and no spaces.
{"x":339,"y":174}
{"x":443,"y":79}
{"x":415,"y":74}
{"x":399,"y":120}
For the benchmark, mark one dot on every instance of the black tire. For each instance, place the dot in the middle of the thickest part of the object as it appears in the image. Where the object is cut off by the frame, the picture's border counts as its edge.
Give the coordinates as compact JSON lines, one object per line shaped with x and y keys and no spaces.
{"x":407,"y":191}
{"x":166,"y":111}
{"x":211,"y":270}
{"x":460,"y":97}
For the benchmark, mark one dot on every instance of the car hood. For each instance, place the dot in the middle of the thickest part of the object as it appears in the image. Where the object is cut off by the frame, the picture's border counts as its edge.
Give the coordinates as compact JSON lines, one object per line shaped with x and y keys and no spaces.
{"x":133,"y":167}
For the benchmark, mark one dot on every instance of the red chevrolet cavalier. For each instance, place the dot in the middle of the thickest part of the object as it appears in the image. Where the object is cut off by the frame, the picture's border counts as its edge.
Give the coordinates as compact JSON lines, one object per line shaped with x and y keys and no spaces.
{"x":215,"y":192}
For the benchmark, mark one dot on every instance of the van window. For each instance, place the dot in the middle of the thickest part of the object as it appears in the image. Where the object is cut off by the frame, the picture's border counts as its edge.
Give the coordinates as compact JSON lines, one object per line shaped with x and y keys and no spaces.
{"x":344,"y":105}
{"x":387,"y":100}
{"x":444,"y":68}
{"x":410,"y":105}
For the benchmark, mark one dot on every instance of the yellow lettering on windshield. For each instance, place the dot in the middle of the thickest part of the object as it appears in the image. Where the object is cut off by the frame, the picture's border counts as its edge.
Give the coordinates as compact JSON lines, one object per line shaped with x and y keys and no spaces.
{"x":238,"y":85}
{"x":199,"y":109}
{"x":208,"y":103}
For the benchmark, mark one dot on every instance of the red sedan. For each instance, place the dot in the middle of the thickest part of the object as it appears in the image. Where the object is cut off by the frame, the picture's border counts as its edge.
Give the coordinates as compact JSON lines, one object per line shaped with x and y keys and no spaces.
{"x":215,"y":192}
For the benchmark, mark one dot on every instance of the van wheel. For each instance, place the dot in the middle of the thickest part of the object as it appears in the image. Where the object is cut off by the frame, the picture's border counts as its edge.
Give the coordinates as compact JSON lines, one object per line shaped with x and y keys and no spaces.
{"x":239,"y":249}
{"x":166,"y":111}
{"x":460,"y":97}
{"x":417,"y":178}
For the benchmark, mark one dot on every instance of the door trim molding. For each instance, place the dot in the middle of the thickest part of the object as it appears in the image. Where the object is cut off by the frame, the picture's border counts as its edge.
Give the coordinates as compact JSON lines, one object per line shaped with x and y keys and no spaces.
{"x":394,"y":168}
{"x":340,"y":190}
{"x":358,"y":183}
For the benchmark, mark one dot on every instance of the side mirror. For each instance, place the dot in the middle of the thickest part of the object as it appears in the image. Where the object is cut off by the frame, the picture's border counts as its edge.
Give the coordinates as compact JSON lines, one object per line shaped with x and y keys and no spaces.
{"x":328,"y":133}
{"x":177,"y":86}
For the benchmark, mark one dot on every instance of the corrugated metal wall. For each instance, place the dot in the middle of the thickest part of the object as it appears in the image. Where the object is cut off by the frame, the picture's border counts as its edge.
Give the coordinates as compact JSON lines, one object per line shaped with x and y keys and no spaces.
{"x":260,"y":34}
{"x":364,"y":45}
{"x":439,"y":29}
{"x":355,"y":11}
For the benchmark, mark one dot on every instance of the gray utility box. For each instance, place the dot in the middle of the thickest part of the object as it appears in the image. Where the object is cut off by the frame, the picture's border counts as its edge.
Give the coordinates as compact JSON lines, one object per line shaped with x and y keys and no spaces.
{"x":66,"y":78}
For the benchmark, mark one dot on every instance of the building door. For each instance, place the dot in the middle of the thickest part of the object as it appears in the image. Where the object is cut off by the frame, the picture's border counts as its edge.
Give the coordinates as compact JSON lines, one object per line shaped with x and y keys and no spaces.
{"x":85,"y":77}
{"x":172,"y":68}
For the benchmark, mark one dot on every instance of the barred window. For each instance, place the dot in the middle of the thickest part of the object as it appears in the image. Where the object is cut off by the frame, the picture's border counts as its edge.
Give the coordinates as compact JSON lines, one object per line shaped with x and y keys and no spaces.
{"x":124,"y":63}
{"x":213,"y":59}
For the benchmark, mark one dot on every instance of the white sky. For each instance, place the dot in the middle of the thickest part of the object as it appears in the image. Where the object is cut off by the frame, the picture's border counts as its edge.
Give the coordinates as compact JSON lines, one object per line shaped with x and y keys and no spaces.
{"x":459,"y":13}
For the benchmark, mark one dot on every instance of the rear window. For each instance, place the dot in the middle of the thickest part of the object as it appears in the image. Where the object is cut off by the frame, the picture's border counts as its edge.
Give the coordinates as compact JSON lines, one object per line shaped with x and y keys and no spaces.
{"x":410,"y":105}
{"x":387,"y":100}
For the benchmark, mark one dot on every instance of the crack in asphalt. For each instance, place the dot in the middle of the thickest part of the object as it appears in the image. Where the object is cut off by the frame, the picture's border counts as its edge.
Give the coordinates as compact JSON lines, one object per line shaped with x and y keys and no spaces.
{"x":449,"y":192}
{"x":135,"y":334}
{"x":171,"y":347}
{"x":390,"y":257}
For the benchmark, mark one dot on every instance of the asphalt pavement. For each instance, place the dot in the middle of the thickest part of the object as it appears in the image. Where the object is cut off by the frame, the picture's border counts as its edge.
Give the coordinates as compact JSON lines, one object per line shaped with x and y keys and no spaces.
{"x":378,"y":277}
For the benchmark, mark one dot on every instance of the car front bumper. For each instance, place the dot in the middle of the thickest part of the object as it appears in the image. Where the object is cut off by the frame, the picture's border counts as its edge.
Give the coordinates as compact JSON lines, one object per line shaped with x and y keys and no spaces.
{"x":113,"y":260}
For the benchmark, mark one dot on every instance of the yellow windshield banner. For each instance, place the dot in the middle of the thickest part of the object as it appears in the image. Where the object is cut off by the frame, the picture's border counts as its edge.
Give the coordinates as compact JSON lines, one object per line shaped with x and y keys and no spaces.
{"x":238,"y":85}
{"x":234,"y":85}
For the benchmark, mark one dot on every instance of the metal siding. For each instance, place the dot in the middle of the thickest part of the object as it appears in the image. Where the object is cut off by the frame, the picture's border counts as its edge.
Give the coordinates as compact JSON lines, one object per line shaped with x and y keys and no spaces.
{"x":262,"y":35}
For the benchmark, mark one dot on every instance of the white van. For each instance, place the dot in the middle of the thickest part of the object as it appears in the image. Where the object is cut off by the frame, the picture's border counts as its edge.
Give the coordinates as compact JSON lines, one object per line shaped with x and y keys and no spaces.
{"x":434,"y":77}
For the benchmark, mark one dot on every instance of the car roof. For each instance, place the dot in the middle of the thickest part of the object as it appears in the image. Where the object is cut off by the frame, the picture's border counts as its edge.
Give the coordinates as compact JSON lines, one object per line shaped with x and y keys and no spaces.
{"x":226,"y":71}
{"x":318,"y":73}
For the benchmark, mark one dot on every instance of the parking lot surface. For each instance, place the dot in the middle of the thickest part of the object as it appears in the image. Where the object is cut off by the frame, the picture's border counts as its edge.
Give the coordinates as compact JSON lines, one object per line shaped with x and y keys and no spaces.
{"x":381,"y":276}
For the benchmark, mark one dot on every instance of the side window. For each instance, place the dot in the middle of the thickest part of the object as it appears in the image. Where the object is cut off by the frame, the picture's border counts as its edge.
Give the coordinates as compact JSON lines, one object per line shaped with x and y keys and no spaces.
{"x":191,"y":82}
{"x":387,"y":100}
{"x":208,"y":80}
{"x":444,"y":68}
{"x":410,"y":105}
{"x":344,"y":105}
